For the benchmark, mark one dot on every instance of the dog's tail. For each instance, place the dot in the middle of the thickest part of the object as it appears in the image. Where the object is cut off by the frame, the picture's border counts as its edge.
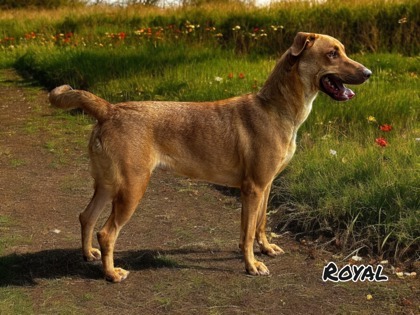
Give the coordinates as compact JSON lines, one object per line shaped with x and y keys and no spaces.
{"x":65,"y":97}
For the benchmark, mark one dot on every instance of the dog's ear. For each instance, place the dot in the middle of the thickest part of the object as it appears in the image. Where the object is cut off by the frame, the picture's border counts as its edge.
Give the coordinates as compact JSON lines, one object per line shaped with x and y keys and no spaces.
{"x":301,"y":42}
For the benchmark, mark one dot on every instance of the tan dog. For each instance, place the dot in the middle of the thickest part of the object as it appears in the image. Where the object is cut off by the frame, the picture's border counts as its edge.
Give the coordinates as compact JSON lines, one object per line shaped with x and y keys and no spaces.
{"x":240,"y":142}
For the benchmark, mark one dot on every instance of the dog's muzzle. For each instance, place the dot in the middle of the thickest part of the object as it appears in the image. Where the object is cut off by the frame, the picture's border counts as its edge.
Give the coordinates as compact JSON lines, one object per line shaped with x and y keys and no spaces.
{"x":334,"y":86}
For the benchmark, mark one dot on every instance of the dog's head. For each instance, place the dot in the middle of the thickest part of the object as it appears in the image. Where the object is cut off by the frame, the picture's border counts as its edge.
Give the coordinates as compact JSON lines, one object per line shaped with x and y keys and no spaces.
{"x":324,"y":65}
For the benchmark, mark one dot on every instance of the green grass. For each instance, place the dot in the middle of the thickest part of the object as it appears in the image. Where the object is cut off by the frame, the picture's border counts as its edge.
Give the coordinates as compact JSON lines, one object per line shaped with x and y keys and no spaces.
{"x":340,"y":183}
{"x":4,"y":228}
{"x":14,"y":301}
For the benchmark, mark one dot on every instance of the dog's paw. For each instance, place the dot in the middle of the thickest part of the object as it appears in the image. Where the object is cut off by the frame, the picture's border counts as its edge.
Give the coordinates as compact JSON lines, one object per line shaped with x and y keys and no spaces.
{"x":117,"y":275}
{"x":257,"y":269}
{"x":92,"y":255}
{"x":271,"y":250}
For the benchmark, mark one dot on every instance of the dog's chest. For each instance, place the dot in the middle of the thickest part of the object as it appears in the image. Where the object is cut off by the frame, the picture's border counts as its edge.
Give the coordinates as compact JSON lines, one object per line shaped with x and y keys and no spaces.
{"x":287,"y":154}
{"x":304,"y":112}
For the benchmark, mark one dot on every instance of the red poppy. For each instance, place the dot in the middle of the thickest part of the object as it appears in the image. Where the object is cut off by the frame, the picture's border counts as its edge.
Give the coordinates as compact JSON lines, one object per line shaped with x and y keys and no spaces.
{"x":381,"y":141}
{"x":30,"y":35}
{"x":385,"y":127}
{"x":230,"y":75}
{"x":241,"y":76}
{"x":121,"y":35}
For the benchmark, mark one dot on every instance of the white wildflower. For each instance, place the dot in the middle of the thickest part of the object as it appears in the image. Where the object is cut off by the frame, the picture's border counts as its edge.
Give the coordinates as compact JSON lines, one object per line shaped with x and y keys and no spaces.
{"x":333,"y":152}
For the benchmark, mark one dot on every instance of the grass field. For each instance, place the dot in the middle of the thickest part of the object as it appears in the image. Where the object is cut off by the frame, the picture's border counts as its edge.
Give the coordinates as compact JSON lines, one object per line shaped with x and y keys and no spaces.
{"x":355,"y":176}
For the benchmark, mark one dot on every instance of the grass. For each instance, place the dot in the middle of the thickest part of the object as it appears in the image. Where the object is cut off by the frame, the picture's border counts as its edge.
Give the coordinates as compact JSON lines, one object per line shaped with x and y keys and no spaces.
{"x":4,"y":228}
{"x":16,"y":162}
{"x":14,"y":301}
{"x":341,"y":183}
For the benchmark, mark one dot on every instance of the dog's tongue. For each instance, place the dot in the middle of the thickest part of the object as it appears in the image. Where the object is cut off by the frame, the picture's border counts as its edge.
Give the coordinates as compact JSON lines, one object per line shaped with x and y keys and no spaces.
{"x":336,"y":89}
{"x":341,"y":92}
{"x":346,"y":93}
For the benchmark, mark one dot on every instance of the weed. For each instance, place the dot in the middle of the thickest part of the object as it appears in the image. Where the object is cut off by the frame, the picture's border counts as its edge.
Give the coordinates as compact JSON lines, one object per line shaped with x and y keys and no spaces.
{"x":87,"y":297}
{"x":16,"y":162}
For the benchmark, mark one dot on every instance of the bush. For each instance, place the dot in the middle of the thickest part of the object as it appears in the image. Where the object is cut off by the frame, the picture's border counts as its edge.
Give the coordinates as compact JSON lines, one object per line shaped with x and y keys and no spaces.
{"x":46,"y":4}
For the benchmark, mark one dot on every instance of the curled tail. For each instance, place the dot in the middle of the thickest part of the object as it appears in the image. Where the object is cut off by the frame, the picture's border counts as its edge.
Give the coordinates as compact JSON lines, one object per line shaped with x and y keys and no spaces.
{"x":65,"y":97}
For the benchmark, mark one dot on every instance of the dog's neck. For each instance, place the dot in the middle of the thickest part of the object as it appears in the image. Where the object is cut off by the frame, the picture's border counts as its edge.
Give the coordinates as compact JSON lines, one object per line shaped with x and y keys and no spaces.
{"x":285,"y":91}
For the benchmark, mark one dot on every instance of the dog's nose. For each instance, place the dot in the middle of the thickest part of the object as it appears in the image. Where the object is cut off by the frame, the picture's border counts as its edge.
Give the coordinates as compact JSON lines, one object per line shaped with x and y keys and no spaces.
{"x":367,"y":73}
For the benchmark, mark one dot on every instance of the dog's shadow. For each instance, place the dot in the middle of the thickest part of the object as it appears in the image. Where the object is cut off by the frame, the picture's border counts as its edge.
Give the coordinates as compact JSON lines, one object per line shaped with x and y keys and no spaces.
{"x":28,"y":269}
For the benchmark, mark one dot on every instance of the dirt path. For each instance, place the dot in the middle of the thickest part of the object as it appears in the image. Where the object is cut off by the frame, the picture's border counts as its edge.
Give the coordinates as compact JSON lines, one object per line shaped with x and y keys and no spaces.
{"x":181,"y":244}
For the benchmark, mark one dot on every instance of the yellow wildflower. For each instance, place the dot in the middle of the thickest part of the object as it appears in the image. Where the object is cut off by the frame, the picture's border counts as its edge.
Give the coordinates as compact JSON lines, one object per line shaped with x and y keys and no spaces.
{"x":372,"y":119}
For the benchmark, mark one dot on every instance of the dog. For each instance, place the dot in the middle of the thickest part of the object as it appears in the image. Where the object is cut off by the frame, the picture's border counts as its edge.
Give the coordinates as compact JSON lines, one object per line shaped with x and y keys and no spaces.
{"x":242,"y":142}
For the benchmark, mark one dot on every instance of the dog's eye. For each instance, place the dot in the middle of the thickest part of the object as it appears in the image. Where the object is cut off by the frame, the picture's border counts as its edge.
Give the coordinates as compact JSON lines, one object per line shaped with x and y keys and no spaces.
{"x":333,"y":54}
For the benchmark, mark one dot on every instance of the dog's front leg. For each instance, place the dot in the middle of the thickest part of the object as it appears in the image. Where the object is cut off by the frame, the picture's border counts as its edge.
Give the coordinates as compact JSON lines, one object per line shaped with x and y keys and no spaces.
{"x":252,"y":197}
{"x":266,"y":248}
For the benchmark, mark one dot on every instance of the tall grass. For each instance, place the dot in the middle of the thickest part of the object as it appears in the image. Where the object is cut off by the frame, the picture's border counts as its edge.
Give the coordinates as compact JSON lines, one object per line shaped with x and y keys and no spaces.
{"x":341,"y":183}
{"x":369,"y":25}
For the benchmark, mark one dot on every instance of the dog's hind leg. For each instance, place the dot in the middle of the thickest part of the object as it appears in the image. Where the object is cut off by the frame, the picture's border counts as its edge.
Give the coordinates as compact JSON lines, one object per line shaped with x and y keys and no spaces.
{"x":266,"y":248}
{"x":88,"y":220}
{"x":123,"y":207}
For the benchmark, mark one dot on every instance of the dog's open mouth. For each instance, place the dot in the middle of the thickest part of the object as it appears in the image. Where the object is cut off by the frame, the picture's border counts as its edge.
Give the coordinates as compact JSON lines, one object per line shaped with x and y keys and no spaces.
{"x":334,"y":87}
